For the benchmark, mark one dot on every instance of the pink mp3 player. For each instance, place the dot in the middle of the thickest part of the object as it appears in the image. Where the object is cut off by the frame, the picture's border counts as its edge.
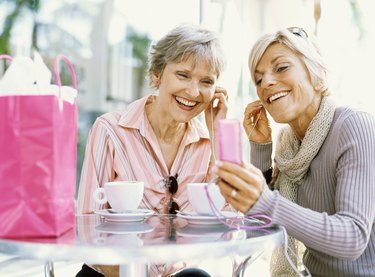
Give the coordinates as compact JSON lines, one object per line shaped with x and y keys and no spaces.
{"x":230,"y":145}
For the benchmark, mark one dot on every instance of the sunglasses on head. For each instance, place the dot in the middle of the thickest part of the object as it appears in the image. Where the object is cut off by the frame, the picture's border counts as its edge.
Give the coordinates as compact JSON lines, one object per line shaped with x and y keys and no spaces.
{"x":172,"y":185}
{"x":298,"y":31}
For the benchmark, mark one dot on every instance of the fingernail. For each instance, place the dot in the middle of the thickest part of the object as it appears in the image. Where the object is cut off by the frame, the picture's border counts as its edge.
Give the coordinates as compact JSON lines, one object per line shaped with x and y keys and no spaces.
{"x":214,"y":169}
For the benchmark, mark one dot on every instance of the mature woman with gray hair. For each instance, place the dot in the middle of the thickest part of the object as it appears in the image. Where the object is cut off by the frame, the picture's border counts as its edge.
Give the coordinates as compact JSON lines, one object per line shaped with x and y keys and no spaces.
{"x":321,"y":186}
{"x":158,"y":139}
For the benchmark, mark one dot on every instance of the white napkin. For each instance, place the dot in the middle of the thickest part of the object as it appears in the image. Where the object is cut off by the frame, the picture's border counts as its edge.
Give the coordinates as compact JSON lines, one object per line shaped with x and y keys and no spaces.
{"x":19,"y":78}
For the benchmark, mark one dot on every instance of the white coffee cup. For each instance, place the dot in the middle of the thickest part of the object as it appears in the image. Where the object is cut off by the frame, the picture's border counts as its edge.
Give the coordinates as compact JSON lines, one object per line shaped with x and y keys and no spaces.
{"x":122,"y":196}
{"x":198,"y":197}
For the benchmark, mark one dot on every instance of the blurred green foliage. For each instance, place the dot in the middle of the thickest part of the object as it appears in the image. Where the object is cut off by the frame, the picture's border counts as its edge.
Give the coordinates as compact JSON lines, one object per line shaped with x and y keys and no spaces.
{"x":141,"y":43}
{"x":18,"y":7}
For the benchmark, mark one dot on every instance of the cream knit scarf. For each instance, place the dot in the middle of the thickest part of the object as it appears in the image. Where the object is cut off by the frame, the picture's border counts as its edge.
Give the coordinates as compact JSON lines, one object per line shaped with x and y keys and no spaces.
{"x":293,"y":159}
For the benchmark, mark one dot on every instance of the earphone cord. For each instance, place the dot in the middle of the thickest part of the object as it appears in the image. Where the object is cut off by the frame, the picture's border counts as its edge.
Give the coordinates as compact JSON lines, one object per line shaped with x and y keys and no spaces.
{"x":299,"y":260}
{"x":212,"y":132}
{"x":255,"y":124}
{"x":214,"y":178}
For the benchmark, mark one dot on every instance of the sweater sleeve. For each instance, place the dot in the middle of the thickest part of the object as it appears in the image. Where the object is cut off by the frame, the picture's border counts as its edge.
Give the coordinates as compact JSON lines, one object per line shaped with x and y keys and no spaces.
{"x":260,"y":155}
{"x":346,"y":232}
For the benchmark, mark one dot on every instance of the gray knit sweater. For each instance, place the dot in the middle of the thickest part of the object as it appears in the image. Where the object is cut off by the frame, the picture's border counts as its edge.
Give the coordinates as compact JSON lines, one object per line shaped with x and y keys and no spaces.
{"x":335,"y":213}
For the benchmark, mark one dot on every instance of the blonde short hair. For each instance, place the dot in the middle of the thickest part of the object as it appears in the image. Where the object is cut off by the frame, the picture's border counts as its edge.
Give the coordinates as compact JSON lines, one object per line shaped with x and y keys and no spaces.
{"x":305,"y":48}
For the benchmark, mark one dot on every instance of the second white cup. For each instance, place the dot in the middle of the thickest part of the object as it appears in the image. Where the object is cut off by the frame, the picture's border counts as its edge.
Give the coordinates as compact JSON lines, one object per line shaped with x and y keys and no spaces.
{"x":122,"y":196}
{"x":198,"y":197}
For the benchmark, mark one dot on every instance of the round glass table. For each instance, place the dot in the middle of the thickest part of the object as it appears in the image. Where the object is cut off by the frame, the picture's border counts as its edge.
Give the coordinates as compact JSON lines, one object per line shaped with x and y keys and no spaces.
{"x":135,"y":246}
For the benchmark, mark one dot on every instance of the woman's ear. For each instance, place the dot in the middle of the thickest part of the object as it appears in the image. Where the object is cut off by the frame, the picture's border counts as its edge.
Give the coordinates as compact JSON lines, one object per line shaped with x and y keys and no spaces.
{"x":156,"y":80}
{"x":318,"y":87}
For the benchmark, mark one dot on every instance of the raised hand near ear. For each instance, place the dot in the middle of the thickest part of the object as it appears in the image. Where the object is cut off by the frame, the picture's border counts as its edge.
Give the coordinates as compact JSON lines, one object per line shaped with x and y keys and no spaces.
{"x":217,"y":109}
{"x":256,"y":123}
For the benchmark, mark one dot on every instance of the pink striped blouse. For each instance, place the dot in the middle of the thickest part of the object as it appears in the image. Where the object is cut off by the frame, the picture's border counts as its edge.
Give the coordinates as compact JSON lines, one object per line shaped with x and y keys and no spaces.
{"x":122,"y":146}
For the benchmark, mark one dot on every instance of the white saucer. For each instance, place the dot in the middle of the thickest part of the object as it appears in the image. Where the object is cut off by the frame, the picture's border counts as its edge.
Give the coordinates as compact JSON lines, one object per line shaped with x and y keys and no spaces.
{"x":194,"y":218}
{"x":114,"y":227}
{"x":136,"y":215}
{"x":199,"y":231}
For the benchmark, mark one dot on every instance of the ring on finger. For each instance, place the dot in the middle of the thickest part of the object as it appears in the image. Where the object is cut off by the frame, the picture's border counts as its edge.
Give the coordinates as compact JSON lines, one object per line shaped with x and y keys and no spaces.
{"x":233,"y":193}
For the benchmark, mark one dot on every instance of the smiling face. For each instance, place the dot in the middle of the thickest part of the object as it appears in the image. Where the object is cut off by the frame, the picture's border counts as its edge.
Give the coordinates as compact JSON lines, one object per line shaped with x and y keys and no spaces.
{"x":284,"y":87}
{"x":185,"y":89}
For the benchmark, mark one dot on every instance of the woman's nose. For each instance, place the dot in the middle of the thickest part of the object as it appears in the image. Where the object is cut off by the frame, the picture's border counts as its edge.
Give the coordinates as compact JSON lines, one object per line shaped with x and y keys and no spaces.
{"x":193,"y":89}
{"x":268,"y":79}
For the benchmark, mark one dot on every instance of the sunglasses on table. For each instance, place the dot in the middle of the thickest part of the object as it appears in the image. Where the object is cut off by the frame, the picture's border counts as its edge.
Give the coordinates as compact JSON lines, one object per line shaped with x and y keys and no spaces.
{"x":172,"y":185}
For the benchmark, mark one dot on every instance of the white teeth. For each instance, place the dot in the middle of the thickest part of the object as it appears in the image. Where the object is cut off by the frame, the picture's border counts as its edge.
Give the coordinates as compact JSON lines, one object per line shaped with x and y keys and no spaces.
{"x":277,"y":96}
{"x":186,"y":102}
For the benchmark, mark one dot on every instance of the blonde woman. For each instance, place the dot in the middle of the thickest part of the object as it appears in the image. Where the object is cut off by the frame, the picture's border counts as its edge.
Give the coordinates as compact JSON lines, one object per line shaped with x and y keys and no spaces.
{"x":323,"y":185}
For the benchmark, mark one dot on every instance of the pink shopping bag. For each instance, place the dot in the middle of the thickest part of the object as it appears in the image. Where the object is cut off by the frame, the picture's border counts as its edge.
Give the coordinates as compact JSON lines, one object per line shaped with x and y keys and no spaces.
{"x":38,"y":152}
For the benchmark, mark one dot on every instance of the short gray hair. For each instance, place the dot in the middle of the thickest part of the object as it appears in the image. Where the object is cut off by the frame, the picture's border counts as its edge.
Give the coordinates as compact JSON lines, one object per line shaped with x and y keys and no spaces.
{"x":183,"y":42}
{"x":305,"y":48}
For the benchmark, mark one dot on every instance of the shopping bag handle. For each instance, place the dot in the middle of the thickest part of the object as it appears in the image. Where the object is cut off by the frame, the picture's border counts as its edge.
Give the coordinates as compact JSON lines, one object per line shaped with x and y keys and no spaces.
{"x":6,"y":57}
{"x":57,"y":70}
